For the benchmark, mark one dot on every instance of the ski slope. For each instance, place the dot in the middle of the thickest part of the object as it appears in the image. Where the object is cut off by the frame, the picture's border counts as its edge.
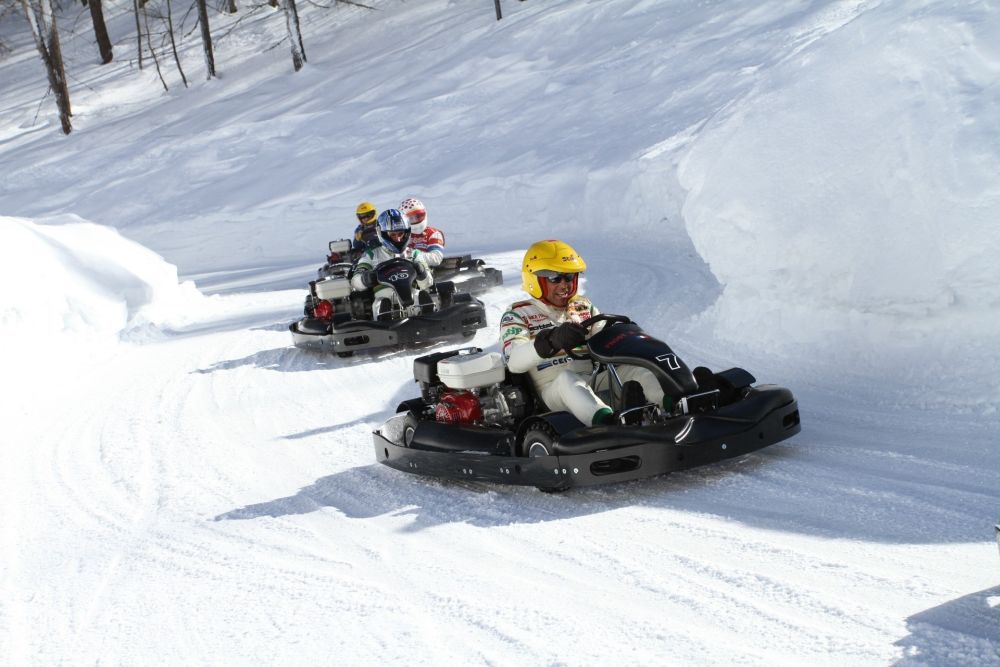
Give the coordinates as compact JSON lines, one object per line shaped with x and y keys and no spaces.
{"x":805,"y":190}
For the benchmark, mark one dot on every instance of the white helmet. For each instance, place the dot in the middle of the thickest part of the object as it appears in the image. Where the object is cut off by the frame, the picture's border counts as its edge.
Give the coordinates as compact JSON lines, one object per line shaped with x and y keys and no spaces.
{"x":415,"y":213}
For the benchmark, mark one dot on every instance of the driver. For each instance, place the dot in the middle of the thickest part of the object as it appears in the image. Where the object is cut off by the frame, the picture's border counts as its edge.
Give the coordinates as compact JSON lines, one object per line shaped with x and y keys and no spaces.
{"x":366,"y":233}
{"x":537,"y":333}
{"x":393,"y":235}
{"x":424,"y":241}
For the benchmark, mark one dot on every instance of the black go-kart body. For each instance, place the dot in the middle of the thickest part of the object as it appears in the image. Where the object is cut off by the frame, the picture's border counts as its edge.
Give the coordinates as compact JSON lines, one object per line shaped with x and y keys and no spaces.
{"x":469,"y":276}
{"x":477,"y":421}
{"x":340,"y":320}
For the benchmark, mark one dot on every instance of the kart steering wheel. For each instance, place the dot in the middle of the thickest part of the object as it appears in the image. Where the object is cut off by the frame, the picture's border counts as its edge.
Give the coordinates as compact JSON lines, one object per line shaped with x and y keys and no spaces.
{"x":591,"y":321}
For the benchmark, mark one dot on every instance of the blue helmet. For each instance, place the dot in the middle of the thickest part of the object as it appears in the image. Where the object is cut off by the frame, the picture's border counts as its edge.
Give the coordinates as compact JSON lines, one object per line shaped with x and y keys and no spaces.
{"x":393,"y":230}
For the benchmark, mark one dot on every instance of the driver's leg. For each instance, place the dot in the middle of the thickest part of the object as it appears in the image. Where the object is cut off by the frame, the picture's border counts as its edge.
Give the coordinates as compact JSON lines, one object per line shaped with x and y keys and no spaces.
{"x":571,"y":392}
{"x":650,"y":385}
{"x":382,"y":305}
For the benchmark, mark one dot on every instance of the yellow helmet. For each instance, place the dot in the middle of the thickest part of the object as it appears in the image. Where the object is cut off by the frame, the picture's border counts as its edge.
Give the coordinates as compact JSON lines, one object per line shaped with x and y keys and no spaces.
{"x":366,"y":213}
{"x":550,"y":255}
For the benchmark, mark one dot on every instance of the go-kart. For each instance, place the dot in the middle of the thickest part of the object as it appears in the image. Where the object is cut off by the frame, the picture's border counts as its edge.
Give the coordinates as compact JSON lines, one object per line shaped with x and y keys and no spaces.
{"x":339,"y":261}
{"x":474,"y":420}
{"x":340,"y":320}
{"x":469,"y":275}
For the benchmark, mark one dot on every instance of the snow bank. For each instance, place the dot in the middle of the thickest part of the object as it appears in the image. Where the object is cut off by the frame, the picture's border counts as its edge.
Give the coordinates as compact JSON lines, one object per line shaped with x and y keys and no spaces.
{"x":852,"y":199}
{"x":75,"y":278}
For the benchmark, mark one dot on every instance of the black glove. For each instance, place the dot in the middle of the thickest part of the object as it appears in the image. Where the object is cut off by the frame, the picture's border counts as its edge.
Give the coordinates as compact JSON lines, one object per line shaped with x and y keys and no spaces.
{"x":368,"y":278}
{"x":421,"y":270}
{"x":566,"y":336}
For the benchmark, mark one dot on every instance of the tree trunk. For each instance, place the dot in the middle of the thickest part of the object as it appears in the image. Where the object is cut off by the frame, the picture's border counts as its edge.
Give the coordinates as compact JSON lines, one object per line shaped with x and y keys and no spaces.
{"x":206,"y":38}
{"x":46,"y":34}
{"x":152,"y":51}
{"x":173,"y":44}
{"x":138,"y":32}
{"x":100,"y":30}
{"x":294,"y":34}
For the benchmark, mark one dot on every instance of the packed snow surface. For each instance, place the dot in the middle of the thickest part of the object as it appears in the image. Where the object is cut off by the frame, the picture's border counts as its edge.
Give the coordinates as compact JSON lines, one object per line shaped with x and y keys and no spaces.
{"x":808,"y":190}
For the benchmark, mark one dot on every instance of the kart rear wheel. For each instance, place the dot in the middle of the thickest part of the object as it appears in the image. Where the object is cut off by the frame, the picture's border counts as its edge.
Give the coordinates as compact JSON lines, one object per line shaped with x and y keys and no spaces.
{"x":409,"y":428}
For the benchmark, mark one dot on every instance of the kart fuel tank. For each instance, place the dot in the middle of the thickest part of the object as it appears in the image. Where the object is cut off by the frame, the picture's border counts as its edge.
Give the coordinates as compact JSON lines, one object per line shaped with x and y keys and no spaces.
{"x":468,"y":371}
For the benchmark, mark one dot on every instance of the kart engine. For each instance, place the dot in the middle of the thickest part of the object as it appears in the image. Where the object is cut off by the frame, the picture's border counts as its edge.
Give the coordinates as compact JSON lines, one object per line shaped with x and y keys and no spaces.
{"x":470,"y":387}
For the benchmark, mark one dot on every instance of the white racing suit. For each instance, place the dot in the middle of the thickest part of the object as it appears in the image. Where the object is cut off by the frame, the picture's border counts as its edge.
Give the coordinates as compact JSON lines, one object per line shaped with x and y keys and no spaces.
{"x":377,"y":256}
{"x":562,"y":382}
{"x":429,"y":243}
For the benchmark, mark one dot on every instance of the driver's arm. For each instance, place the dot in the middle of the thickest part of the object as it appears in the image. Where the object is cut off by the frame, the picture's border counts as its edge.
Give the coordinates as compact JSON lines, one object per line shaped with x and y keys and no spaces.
{"x":434,"y":253}
{"x":594,"y":312}
{"x":365,"y":263}
{"x":515,"y":342}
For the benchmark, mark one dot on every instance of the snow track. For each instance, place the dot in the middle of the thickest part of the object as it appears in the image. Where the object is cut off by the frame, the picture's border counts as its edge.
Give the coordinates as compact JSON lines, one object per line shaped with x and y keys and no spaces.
{"x":222,"y":463}
{"x":805,"y":189}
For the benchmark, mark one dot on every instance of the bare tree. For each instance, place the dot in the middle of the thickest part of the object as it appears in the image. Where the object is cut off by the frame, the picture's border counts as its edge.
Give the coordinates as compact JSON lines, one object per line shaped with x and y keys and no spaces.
{"x":206,"y":38}
{"x":100,"y":30}
{"x":138,"y":32}
{"x":294,"y":34}
{"x":43,"y":28}
{"x":173,"y":43}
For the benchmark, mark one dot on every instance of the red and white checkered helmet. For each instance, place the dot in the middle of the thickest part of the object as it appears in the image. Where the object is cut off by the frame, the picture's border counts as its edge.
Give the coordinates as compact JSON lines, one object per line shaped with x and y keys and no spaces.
{"x":415,"y":213}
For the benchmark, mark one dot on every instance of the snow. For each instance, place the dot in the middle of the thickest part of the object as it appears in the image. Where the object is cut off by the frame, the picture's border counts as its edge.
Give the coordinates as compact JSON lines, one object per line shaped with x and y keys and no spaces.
{"x":804,"y":189}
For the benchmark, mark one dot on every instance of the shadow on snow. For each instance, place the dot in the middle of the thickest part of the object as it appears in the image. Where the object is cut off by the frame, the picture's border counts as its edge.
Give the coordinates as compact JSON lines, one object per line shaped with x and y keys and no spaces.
{"x":964,"y":631}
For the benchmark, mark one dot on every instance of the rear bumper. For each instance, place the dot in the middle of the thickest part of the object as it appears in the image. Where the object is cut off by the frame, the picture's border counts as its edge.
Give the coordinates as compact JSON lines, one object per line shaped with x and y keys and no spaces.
{"x":462,"y":318}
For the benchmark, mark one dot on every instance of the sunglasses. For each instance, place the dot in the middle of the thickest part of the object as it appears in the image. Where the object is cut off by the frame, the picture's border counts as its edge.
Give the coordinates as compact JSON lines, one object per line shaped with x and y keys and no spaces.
{"x":366,"y":217}
{"x":556,"y":277}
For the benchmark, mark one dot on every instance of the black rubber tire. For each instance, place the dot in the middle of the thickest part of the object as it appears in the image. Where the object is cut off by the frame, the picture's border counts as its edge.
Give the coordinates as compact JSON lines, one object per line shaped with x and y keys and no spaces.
{"x":409,"y":427}
{"x":537,"y":442}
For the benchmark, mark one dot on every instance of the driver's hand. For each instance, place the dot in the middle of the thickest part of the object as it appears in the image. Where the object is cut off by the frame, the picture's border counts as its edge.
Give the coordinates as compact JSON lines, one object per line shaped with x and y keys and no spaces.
{"x":566,"y":336}
{"x":368,"y":278}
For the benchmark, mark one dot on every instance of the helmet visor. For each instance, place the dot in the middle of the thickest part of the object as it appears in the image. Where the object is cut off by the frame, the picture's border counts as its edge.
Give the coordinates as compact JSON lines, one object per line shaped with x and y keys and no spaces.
{"x":366,"y":217}
{"x":416,"y":217}
{"x":556,"y":277}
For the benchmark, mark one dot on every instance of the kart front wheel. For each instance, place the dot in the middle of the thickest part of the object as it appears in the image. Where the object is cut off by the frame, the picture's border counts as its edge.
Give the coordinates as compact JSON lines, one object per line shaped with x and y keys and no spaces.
{"x":537,"y":442}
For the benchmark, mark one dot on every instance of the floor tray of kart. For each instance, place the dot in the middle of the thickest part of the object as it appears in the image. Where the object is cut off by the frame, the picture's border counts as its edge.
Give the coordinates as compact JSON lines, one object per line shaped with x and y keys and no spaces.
{"x":341,"y":320}
{"x":474,"y":420}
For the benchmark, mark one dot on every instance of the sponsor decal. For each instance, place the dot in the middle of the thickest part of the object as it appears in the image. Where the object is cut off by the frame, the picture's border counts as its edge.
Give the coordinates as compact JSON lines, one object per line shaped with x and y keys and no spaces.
{"x":512,"y":331}
{"x":616,"y":341}
{"x":558,"y":361}
{"x":670,"y":360}
{"x":508,"y":318}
